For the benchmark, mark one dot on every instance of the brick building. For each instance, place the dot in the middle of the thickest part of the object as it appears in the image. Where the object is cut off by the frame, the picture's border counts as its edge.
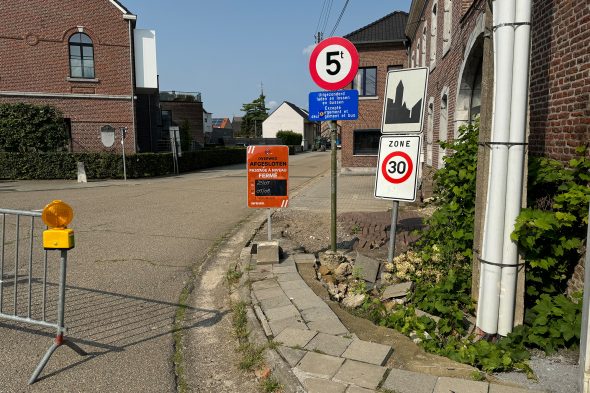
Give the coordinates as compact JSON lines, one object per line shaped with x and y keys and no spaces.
{"x":447,"y":36}
{"x":87,"y":59}
{"x":381,"y":47}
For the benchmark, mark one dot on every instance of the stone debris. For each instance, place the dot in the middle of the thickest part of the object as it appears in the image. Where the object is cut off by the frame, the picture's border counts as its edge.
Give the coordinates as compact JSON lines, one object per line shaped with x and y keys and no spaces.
{"x":397,"y":290}
{"x":354,"y":300}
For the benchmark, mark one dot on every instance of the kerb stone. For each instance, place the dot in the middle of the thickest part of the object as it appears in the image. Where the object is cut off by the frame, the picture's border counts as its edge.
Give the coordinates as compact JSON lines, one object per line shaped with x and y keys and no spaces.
{"x":402,"y":381}
{"x":267,"y":252}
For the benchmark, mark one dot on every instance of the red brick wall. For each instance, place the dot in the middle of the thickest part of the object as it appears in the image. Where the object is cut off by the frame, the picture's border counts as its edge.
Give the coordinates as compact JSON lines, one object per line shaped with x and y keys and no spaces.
{"x":35,"y":58}
{"x":446,"y":72}
{"x":370,"y":110}
{"x":560,"y":78}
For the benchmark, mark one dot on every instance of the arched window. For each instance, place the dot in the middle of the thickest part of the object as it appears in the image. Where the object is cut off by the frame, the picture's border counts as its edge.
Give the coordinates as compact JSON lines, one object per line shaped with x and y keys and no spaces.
{"x":429,"y":132}
{"x":447,"y":25}
{"x":81,"y":56}
{"x":443,"y":126}
{"x":433,"y":35}
{"x":423,"y":48}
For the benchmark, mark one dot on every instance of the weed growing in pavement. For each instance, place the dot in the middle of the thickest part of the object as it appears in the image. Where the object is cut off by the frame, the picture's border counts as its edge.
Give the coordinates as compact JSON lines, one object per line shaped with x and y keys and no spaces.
{"x":233,"y":275}
{"x":240,"y":320}
{"x":252,"y":356}
{"x":355,"y":229}
{"x":270,"y":385}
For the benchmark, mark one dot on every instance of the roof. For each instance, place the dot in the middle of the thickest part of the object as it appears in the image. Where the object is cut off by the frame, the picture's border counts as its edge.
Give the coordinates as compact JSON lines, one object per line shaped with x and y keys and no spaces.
{"x":387,"y":29}
{"x":301,"y":112}
{"x":120,"y":6}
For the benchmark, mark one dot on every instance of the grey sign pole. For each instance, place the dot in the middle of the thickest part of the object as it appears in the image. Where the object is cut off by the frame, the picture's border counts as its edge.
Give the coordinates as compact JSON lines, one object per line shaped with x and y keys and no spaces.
{"x":333,"y":129}
{"x":269,"y":222}
{"x":392,"y":231}
{"x":123,"y":135}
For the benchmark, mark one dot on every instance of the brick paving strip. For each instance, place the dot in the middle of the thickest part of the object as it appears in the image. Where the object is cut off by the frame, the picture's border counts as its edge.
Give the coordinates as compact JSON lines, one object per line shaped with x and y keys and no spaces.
{"x":319,"y":350}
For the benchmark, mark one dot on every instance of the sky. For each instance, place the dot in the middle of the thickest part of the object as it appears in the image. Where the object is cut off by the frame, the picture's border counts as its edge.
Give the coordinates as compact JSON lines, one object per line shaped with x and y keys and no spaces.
{"x":225,"y":49}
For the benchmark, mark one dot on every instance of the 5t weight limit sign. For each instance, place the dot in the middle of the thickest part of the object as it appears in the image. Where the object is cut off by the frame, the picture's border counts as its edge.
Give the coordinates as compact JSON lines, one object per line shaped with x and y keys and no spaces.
{"x":398,"y":167}
{"x":333,"y":63}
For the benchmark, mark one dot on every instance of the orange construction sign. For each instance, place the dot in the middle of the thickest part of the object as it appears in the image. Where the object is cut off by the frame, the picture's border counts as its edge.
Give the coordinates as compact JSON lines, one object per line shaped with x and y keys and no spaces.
{"x":268,"y":176}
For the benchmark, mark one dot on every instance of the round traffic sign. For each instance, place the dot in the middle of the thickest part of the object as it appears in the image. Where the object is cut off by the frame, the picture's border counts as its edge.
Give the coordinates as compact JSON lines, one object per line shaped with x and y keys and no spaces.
{"x":397,"y":167}
{"x":333,"y":63}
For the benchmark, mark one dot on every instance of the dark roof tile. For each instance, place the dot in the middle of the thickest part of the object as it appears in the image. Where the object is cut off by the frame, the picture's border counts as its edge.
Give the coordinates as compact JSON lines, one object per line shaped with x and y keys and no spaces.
{"x":389,"y":28}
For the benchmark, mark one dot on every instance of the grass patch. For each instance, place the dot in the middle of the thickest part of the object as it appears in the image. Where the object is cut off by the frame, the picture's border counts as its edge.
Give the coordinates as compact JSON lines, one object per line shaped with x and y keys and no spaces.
{"x":252,"y":357}
{"x":240,"y":320}
{"x":233,"y":275}
{"x":270,"y":385}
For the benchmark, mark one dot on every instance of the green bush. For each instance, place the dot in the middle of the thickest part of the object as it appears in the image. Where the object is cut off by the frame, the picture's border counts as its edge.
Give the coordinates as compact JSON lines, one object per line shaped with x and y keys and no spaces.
{"x":290,"y":138}
{"x":551,"y":232}
{"x":26,"y":128}
{"x":105,"y":165}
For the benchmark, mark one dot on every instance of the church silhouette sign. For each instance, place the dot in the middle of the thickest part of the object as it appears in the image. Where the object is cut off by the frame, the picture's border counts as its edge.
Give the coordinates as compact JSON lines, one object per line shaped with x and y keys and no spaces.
{"x":403,"y":107}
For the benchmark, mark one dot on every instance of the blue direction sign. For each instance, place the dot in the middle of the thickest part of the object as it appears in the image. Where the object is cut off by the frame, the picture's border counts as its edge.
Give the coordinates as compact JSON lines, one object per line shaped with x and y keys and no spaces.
{"x":334,"y":105}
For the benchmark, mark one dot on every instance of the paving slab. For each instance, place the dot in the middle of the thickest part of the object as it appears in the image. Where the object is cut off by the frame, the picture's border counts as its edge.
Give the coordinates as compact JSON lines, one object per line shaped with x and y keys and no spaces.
{"x":283,"y":312}
{"x":278,"y":269}
{"x":291,"y":355}
{"x":265,"y":284}
{"x":318,"y":385}
{"x":456,"y":385}
{"x":369,"y":267}
{"x":289,"y":261}
{"x":330,"y":326}
{"x":322,"y":311}
{"x":328,"y":344}
{"x":368,"y":352}
{"x":267,"y":252}
{"x":494,"y":388}
{"x":298,"y":291}
{"x":306,"y":302}
{"x":282,"y":277}
{"x":292,"y":337}
{"x":274,"y":302}
{"x":361,"y":374}
{"x":397,"y":290}
{"x":294,"y":322}
{"x":318,"y":365}
{"x":288,"y":285}
{"x":304,"y":259}
{"x":356,"y":389}
{"x":402,"y":381}
{"x":268,"y":293}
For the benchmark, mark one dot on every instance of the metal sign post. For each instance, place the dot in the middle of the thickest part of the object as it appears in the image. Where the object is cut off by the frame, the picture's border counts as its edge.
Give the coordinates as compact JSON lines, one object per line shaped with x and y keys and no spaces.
{"x":174,"y":146}
{"x":333,"y":64}
{"x":123,"y":135}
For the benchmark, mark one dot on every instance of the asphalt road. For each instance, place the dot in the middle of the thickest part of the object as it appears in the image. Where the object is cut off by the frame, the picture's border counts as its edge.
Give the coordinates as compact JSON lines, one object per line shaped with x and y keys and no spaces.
{"x":135,"y":245}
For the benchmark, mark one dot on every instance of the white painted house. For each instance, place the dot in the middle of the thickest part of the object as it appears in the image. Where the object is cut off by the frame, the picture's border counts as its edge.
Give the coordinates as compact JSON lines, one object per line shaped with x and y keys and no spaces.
{"x":289,"y":117}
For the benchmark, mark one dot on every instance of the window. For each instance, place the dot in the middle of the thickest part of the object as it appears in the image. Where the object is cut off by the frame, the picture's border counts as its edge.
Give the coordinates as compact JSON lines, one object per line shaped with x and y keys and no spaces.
{"x":447,"y":25}
{"x":366,"y":81}
{"x":443,"y":127}
{"x":433,"y":34}
{"x":366,"y":142}
{"x":423,"y":48}
{"x":81,"y":56}
{"x":394,"y":67}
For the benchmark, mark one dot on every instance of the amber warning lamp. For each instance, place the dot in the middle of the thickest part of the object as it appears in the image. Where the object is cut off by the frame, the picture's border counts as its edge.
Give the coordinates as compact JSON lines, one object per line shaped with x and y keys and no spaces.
{"x":57,"y":215}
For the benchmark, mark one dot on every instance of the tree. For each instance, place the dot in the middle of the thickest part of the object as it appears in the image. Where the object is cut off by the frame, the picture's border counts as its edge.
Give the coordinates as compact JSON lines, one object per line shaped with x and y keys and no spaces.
{"x":255,"y":113}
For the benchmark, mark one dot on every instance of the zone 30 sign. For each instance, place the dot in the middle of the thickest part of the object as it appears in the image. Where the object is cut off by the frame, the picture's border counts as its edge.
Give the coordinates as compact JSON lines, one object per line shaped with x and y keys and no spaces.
{"x":397,"y":167}
{"x":333,"y":63}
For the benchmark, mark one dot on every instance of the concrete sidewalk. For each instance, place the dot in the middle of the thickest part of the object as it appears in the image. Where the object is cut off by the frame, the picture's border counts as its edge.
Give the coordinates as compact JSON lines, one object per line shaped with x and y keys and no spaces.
{"x":318,"y":349}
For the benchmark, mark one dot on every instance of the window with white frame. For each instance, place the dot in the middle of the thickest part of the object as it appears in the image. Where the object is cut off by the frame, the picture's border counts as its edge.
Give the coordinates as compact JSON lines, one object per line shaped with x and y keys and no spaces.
{"x":423,"y":50}
{"x":433,"y":34}
{"x":443,"y":126}
{"x":429,"y":131}
{"x":447,"y":25}
{"x":365,"y":81}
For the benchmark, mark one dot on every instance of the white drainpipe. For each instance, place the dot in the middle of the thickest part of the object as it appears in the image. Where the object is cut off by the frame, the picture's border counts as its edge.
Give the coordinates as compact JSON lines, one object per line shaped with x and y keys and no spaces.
{"x":489,"y":292}
{"x":518,"y":118}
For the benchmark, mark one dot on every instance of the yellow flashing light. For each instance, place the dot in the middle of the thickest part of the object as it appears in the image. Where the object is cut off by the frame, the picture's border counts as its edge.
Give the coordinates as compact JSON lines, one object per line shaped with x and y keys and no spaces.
{"x":57,"y":214}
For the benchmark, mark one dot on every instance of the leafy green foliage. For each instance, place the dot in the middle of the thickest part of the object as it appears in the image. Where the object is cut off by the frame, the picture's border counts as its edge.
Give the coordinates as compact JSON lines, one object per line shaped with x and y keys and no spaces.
{"x":550,"y":234}
{"x":449,"y":233}
{"x":255,"y":113}
{"x":104,"y":165}
{"x":290,"y":138}
{"x":186,"y":139}
{"x":31,"y":128}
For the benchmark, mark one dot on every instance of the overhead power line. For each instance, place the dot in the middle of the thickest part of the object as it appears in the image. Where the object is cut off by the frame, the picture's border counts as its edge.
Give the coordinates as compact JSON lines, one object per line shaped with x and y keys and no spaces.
{"x":339,"y":18}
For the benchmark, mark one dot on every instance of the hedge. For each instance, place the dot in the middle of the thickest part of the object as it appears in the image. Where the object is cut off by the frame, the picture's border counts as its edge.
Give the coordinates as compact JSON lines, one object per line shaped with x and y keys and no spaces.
{"x":23,"y":166}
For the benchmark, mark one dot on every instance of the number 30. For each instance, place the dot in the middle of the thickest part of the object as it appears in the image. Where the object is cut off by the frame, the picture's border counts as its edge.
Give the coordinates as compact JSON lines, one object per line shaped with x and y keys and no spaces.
{"x":399,"y":168}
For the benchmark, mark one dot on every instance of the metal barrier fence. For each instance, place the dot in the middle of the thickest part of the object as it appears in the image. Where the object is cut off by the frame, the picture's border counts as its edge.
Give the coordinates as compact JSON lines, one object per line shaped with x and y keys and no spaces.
{"x":35,"y":311}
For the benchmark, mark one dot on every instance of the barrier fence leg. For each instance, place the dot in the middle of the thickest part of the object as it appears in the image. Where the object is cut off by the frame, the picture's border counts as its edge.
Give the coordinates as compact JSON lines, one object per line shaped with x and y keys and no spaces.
{"x":59,"y":338}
